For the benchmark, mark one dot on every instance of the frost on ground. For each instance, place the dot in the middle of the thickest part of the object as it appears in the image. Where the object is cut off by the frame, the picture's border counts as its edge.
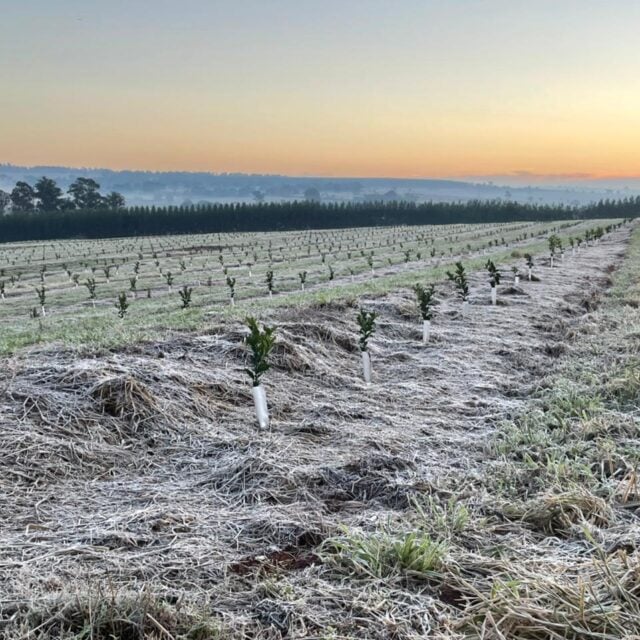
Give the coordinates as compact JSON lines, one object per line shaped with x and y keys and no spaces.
{"x":459,"y":495}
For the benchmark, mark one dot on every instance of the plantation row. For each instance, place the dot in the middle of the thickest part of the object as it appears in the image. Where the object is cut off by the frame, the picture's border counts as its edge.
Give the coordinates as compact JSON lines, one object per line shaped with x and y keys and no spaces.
{"x":262,"y":341}
{"x":484,"y":487}
{"x":72,"y":274}
{"x":242,"y":246}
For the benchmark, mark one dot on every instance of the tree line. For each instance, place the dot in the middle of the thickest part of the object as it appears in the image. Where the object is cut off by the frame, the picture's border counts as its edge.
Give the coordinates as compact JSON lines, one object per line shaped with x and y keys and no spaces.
{"x":83,"y":222}
{"x":47,"y":197}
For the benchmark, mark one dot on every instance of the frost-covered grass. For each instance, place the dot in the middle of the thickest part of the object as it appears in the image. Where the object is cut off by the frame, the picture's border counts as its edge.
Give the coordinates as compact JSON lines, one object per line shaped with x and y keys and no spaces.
{"x":206,"y":264}
{"x":484,"y":486}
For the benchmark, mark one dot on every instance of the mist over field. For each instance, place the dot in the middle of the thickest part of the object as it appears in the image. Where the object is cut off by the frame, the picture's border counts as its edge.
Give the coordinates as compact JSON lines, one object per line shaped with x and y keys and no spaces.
{"x":180,"y":187}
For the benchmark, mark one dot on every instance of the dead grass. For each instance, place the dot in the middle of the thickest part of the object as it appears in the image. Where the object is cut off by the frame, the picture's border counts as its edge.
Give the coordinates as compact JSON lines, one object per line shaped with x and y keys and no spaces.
{"x":547,"y":603}
{"x":560,"y":513}
{"x":125,"y":398}
{"x":478,"y":489}
{"x":624,"y":385}
{"x":109,"y":615}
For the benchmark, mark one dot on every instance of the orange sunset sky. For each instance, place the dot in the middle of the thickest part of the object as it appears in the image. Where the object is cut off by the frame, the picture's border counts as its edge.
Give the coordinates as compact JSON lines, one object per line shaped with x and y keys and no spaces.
{"x":447,"y":88}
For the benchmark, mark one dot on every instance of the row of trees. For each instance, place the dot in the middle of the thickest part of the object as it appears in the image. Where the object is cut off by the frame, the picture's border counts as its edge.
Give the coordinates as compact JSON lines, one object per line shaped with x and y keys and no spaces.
{"x":47,"y":197}
{"x":219,"y":218}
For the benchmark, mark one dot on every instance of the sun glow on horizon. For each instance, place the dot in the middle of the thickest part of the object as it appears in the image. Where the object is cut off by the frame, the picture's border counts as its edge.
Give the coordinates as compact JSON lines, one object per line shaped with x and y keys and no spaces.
{"x":428,"y":89}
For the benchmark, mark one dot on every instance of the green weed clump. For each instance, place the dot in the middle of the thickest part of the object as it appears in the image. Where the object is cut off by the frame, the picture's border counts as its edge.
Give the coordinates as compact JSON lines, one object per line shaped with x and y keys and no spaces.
{"x":624,"y":385}
{"x":443,"y":518}
{"x":111,"y":615}
{"x":385,"y":555}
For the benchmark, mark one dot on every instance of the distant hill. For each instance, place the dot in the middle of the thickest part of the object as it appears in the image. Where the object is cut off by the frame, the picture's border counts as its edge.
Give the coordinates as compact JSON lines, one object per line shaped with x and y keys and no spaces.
{"x":180,"y":187}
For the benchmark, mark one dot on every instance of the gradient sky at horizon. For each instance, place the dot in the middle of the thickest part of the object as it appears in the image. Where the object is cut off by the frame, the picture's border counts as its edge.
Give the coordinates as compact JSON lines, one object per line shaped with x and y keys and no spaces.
{"x":428,"y":88}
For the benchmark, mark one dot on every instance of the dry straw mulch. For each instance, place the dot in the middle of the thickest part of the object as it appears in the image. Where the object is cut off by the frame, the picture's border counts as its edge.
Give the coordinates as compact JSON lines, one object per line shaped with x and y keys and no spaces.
{"x":138,"y":497}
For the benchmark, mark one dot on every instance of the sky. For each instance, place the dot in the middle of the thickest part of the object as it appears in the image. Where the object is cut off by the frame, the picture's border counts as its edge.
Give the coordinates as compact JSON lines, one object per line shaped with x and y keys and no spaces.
{"x":547,"y":89}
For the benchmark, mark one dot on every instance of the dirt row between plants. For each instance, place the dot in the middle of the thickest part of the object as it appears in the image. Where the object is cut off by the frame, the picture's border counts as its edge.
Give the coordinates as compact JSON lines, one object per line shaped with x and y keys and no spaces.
{"x":140,"y":473}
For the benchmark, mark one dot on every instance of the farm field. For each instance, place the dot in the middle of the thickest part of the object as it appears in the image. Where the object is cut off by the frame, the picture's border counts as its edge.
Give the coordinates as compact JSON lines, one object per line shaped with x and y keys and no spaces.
{"x":66,"y":291}
{"x":482,"y":486}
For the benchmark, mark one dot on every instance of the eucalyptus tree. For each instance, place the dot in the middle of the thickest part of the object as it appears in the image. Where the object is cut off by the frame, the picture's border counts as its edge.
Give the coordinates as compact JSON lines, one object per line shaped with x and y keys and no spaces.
{"x":48,"y":194}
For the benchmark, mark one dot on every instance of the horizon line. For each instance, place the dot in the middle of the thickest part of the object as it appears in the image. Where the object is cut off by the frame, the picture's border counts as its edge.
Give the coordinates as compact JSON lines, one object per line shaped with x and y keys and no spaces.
{"x":520,"y":174}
